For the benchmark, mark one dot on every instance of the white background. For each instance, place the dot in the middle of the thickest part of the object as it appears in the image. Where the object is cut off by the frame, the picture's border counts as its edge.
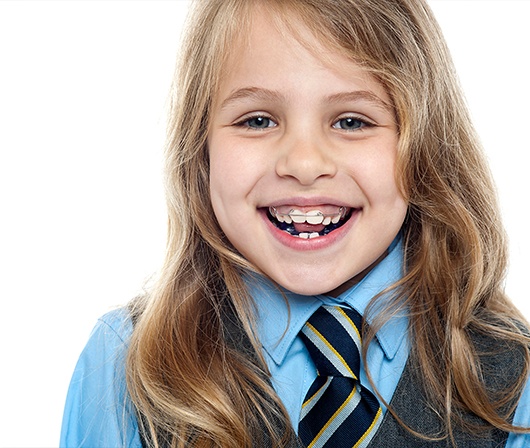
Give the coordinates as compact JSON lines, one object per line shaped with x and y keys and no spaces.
{"x":83,"y":91}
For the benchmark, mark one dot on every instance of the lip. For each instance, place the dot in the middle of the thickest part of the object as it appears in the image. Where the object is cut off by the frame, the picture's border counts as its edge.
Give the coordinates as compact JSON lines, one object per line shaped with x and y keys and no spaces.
{"x":312,"y":244}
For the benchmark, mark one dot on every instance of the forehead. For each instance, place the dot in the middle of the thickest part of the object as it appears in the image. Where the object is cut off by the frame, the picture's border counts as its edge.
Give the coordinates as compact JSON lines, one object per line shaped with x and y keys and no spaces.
{"x":281,"y":18}
{"x":271,"y":40}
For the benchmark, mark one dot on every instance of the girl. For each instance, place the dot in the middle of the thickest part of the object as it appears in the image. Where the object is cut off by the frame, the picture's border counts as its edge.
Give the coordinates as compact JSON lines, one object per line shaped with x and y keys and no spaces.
{"x":321,"y":166}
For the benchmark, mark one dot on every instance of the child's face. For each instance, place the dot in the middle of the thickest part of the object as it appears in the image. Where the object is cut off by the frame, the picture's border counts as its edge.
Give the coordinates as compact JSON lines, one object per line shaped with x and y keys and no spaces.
{"x":294,"y":136}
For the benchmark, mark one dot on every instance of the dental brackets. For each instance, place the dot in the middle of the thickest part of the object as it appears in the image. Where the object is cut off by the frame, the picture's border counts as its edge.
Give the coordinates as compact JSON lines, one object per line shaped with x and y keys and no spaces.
{"x":314,"y":217}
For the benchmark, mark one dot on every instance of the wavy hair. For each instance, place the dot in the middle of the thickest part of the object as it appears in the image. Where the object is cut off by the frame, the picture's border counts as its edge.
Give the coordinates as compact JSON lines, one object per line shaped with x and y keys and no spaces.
{"x":189,"y":376}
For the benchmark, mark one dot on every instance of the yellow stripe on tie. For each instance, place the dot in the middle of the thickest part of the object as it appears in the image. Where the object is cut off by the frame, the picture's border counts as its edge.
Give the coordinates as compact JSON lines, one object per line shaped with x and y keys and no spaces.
{"x":337,"y":412}
{"x":332,"y":349}
{"x":359,"y":414}
{"x":369,"y":430}
{"x":314,"y":395}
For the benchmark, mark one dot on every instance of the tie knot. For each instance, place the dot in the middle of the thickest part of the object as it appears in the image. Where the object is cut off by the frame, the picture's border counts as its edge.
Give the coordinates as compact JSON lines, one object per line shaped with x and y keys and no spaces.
{"x":333,"y":340}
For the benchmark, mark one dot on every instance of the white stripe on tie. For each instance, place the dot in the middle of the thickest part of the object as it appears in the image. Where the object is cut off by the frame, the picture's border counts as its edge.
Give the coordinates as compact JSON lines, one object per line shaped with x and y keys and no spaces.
{"x":347,"y":324}
{"x":337,"y":419}
{"x":329,"y":352}
{"x":308,"y":404}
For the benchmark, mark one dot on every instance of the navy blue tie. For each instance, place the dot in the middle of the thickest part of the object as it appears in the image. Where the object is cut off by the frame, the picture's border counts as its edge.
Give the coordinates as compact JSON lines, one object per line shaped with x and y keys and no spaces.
{"x":337,"y":411}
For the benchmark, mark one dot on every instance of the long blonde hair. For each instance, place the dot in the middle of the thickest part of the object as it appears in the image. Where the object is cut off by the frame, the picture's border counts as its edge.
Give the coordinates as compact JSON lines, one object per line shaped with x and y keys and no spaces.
{"x":191,"y":382}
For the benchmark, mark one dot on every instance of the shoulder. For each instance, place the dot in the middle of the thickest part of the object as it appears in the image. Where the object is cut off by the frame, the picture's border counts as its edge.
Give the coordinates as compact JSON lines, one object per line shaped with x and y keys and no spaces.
{"x":115,"y":324}
{"x":521,"y":418}
{"x":108,"y":342}
{"x":522,"y":413}
{"x":504,"y":367}
{"x":97,"y":410}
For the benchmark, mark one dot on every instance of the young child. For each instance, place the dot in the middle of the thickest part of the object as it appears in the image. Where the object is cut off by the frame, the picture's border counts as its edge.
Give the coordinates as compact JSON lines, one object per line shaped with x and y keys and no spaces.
{"x":321,"y":167}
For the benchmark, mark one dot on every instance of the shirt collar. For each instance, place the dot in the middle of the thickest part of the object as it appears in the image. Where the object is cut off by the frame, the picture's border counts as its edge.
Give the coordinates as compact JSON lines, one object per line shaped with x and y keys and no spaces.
{"x":279,"y":324}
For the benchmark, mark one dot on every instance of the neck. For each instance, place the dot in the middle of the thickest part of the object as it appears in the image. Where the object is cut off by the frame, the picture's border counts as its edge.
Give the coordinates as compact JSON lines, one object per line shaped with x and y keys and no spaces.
{"x":355,"y":279}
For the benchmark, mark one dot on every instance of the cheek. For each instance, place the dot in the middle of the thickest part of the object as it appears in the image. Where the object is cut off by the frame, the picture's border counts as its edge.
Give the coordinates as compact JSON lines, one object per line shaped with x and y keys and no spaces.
{"x":374,"y":171}
{"x":222,"y":165}
{"x":228,"y":161}
{"x":217,"y":179}
{"x":220,"y":193}
{"x":229,"y":184}
{"x":236,"y":167}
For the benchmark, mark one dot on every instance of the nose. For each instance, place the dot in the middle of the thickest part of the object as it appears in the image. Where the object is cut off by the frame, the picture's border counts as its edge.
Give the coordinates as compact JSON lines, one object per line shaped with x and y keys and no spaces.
{"x":305,"y":157}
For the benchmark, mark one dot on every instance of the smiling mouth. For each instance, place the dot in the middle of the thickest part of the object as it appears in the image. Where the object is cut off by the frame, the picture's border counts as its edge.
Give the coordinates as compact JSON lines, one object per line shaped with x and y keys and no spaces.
{"x":310,"y":224}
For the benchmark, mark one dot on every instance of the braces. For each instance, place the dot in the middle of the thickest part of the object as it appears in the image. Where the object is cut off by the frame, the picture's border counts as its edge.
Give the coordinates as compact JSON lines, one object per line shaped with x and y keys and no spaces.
{"x":312,"y":217}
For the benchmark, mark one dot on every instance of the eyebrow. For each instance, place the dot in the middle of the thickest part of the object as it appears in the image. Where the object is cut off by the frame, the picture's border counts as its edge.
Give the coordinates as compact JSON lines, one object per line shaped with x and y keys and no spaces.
{"x":252,"y":93}
{"x":360,"y":95}
{"x":256,"y":93}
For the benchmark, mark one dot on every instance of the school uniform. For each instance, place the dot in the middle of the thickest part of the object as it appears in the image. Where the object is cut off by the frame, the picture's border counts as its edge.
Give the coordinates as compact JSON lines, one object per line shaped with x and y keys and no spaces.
{"x":98,"y":414}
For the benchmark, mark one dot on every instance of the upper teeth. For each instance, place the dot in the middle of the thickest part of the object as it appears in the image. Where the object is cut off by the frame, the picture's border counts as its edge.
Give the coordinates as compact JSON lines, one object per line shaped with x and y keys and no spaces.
{"x":311,"y":217}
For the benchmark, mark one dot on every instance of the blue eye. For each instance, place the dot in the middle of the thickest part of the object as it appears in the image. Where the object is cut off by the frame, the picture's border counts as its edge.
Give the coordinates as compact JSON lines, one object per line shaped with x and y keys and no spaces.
{"x":258,"y":122}
{"x":350,"y":124}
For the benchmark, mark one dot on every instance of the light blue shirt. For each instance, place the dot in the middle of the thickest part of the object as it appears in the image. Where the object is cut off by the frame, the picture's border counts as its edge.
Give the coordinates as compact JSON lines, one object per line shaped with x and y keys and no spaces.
{"x":98,"y":415}
{"x":97,"y":412}
{"x":291,"y":367}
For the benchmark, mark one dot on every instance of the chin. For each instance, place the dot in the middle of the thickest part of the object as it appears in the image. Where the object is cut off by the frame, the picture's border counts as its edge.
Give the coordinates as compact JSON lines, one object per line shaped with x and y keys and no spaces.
{"x":312,"y":289}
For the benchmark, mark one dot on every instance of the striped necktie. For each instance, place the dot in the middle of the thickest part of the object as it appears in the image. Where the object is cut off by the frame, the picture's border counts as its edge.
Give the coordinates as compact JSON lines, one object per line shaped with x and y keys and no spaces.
{"x":337,"y":411}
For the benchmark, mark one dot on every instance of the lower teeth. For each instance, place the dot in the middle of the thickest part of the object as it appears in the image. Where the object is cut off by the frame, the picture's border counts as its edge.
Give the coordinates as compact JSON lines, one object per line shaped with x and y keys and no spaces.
{"x":308,"y":236}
